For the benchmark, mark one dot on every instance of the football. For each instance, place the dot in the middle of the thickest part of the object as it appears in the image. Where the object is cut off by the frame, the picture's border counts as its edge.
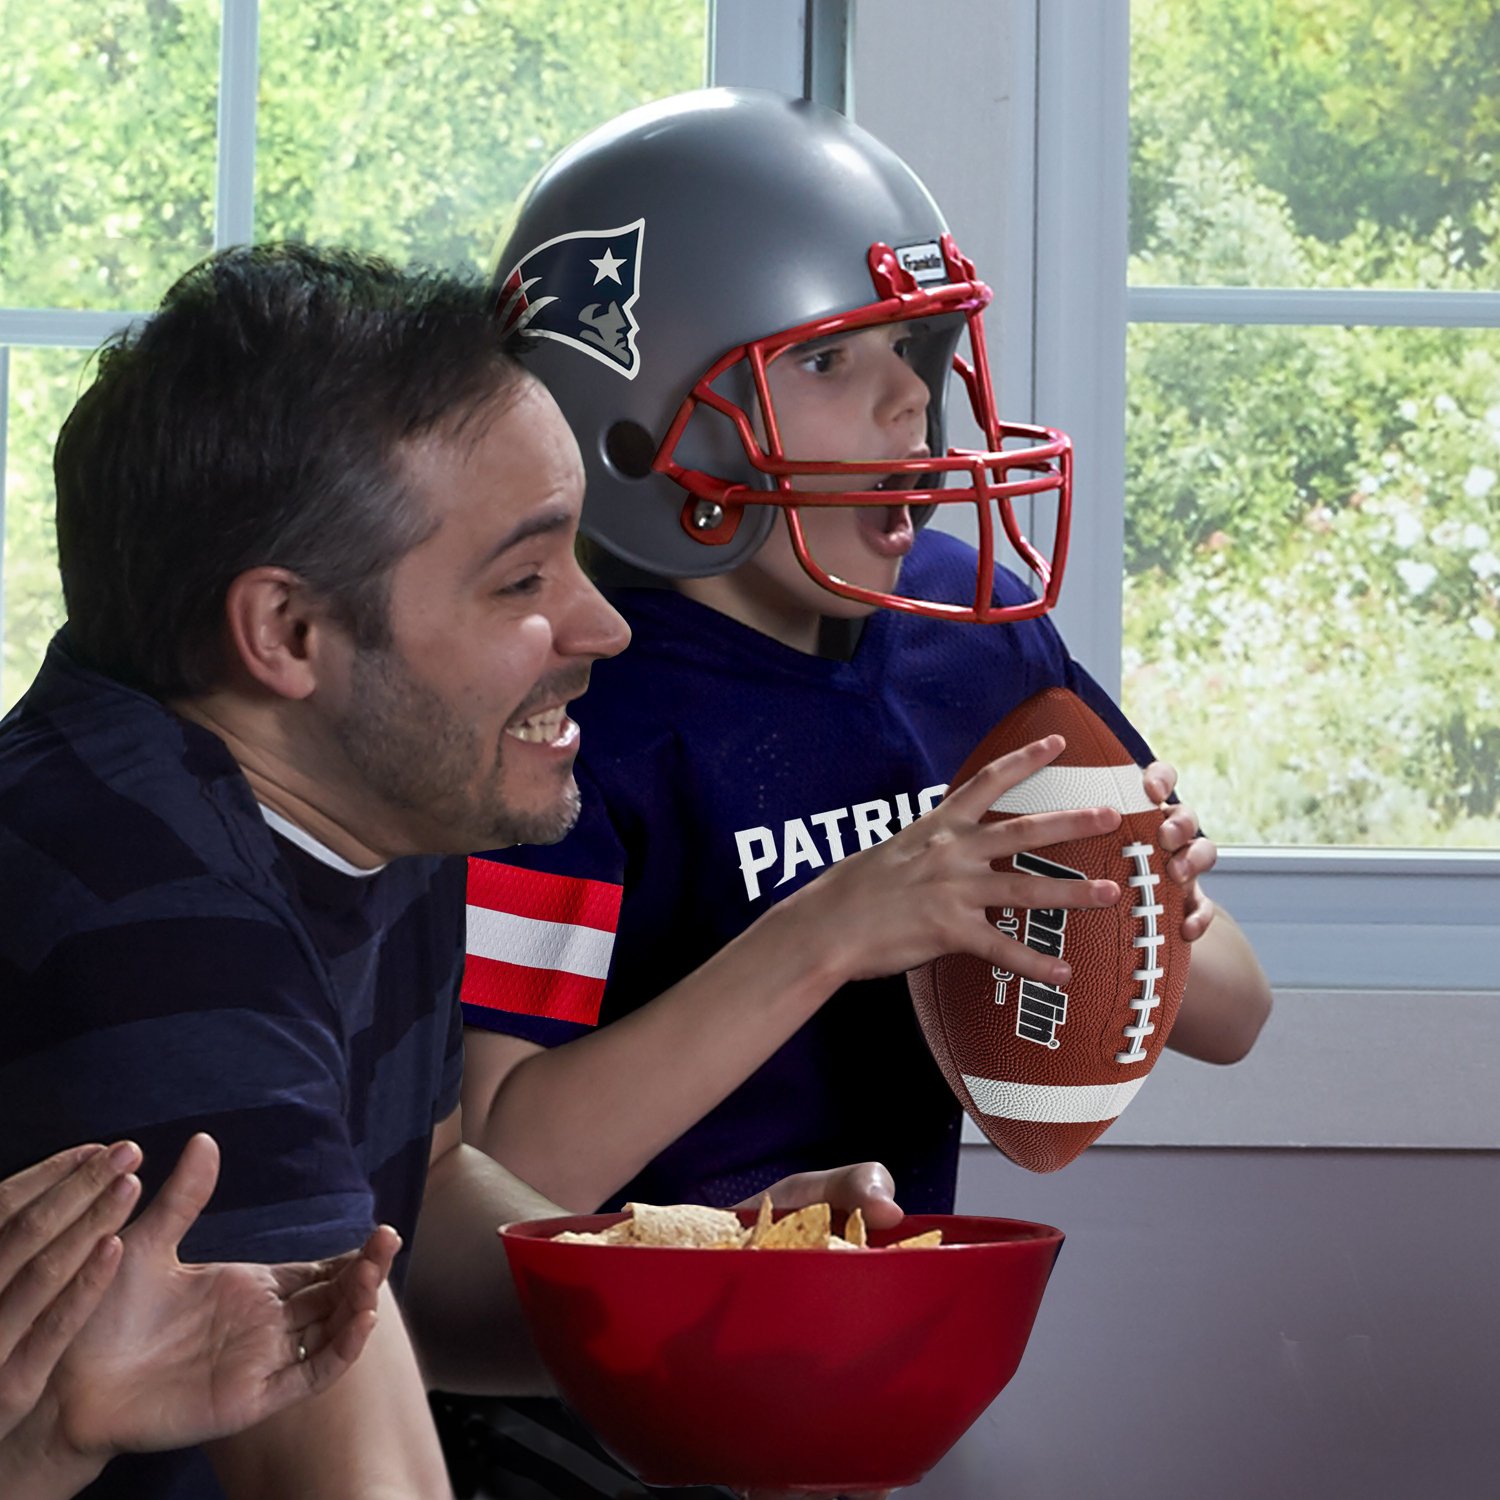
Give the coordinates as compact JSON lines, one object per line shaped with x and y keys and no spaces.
{"x":1043,"y":1072}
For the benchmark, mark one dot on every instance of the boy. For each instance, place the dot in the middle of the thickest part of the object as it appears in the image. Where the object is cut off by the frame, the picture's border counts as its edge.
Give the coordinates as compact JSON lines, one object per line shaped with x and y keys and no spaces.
{"x":745,"y":305}
{"x":749,"y":310}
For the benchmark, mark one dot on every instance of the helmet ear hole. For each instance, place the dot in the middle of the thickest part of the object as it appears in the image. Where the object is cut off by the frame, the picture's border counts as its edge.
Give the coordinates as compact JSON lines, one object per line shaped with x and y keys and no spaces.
{"x":629,"y":450}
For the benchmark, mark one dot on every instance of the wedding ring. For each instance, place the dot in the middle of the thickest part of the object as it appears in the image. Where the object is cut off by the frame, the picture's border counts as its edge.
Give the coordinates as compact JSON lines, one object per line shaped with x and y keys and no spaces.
{"x":301,"y":1351}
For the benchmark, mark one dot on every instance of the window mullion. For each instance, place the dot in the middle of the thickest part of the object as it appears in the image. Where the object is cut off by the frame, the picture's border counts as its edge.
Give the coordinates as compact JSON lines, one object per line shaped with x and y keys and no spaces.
{"x":758,"y":44}
{"x":239,"y":81}
{"x":1082,"y":242}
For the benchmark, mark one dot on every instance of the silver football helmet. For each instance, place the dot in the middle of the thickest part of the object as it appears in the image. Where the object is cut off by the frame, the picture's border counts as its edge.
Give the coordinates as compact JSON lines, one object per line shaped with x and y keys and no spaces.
{"x":655,"y":269}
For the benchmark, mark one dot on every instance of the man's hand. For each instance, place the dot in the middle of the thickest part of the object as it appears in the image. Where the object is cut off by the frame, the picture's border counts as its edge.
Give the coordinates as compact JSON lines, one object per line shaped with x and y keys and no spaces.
{"x":1189,"y":854}
{"x":178,"y":1354}
{"x":925,"y":891}
{"x":58,"y":1255}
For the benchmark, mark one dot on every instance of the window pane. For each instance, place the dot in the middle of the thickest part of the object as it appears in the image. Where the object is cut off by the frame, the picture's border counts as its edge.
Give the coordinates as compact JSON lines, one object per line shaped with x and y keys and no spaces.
{"x":107,"y":121}
{"x":43,"y":384}
{"x":1307,"y":143}
{"x":1313,"y":578}
{"x":411,"y":130}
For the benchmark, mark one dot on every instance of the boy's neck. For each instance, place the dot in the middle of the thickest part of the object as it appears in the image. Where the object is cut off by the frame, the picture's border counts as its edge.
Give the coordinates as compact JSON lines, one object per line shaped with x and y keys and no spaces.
{"x":839,"y":639}
{"x":798,"y":628}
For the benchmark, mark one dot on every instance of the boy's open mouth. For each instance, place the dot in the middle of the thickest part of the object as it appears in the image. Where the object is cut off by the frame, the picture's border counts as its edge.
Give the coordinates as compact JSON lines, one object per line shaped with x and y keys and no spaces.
{"x":888,"y":529}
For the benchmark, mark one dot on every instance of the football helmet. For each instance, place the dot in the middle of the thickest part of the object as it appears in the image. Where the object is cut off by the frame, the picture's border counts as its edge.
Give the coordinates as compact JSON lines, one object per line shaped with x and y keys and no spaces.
{"x":660,"y":265}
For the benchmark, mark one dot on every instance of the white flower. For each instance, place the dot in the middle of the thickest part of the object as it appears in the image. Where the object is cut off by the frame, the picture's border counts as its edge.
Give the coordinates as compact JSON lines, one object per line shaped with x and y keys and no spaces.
{"x":1418,"y":577}
{"x":1485,"y":564}
{"x":1444,"y":405}
{"x":1476,"y":535}
{"x":1481,"y":627}
{"x":1408,"y":411}
{"x":1479,"y":481}
{"x":1408,"y":529}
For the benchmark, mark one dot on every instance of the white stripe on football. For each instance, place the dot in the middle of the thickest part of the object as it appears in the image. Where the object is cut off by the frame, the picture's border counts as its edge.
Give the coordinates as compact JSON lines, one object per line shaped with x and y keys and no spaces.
{"x":1057,"y":788}
{"x":1054,"y":1103}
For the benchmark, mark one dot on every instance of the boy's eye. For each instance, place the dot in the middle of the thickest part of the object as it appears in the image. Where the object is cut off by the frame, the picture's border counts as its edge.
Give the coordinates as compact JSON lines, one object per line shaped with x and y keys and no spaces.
{"x":821,"y":361}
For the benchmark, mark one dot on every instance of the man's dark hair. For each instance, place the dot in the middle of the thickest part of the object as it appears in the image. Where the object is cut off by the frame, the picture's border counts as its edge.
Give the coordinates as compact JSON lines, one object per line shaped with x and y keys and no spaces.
{"x":254,"y":420}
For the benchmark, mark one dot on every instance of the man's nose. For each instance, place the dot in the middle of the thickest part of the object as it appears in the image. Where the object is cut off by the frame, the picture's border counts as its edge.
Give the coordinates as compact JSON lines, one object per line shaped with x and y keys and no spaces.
{"x":593,"y":627}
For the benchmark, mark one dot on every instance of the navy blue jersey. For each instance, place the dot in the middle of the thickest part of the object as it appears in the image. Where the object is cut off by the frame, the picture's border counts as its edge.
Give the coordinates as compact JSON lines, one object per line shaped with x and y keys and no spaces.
{"x":168,"y":965}
{"x":720,"y":771}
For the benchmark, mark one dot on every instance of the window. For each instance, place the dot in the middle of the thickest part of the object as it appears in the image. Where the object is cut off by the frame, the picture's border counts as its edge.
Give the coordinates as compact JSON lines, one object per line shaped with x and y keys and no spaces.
{"x":1312,"y":501}
{"x":136,"y":138}
{"x":1343,"y":905}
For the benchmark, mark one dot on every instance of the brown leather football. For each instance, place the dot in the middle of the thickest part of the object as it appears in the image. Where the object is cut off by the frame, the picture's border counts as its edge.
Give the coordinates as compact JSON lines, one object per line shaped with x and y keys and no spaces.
{"x":1042,"y":1071}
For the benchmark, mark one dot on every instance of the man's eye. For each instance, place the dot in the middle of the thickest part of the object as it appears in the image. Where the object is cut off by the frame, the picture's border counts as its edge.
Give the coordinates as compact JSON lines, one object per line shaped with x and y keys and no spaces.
{"x":527,"y":585}
{"x":821,"y":361}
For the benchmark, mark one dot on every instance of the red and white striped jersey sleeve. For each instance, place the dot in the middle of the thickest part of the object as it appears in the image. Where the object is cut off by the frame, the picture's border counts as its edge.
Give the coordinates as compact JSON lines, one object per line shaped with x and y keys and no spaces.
{"x":539,"y":947}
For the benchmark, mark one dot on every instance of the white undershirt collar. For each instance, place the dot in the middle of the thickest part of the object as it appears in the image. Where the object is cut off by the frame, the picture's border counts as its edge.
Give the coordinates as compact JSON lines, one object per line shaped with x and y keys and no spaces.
{"x":304,"y":840}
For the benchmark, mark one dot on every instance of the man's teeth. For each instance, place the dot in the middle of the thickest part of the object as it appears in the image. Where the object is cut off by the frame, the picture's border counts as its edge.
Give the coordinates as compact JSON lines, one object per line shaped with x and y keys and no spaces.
{"x":539,"y":729}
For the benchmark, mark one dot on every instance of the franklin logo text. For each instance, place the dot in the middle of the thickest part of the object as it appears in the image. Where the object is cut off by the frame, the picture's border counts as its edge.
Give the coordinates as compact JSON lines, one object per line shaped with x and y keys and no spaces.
{"x":1041,"y":1009}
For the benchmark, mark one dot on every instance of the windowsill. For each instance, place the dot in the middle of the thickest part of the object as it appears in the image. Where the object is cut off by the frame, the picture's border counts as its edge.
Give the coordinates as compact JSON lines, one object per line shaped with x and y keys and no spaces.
{"x":1335,"y":1069}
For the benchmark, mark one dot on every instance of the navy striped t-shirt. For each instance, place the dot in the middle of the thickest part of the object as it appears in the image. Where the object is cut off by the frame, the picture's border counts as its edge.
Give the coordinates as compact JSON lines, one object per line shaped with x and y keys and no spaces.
{"x":168,"y":964}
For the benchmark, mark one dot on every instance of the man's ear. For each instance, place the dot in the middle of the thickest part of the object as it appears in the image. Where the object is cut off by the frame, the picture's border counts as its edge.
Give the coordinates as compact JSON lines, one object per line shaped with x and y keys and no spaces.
{"x":276,"y":630}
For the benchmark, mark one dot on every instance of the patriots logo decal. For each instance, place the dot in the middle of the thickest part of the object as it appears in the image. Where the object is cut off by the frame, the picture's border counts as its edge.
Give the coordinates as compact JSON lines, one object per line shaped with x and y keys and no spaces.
{"x":579,"y":289}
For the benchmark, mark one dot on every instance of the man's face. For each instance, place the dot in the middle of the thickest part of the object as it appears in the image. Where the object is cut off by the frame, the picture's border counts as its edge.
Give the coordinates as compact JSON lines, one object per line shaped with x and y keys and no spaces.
{"x":458,"y":727}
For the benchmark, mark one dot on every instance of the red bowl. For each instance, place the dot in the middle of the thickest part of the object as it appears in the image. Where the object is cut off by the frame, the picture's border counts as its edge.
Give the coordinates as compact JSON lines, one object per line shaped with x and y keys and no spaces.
{"x":792,"y":1369}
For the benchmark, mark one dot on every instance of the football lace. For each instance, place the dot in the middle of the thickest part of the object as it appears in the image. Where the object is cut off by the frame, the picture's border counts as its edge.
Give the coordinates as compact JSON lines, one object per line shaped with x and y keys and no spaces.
{"x":1146,"y":912}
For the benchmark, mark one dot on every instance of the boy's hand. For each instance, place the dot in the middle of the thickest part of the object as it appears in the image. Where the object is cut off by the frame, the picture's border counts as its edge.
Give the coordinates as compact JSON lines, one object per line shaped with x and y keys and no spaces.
{"x":925,"y":891}
{"x":866,"y":1186}
{"x":1189,"y":854}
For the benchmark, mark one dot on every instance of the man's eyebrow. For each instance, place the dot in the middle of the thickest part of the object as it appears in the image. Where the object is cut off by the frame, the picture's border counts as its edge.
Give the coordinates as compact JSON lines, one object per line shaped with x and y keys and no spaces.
{"x":540,"y":523}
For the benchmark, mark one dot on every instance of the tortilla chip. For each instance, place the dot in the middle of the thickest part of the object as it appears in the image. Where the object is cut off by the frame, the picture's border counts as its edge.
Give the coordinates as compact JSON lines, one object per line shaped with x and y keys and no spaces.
{"x":622,"y":1233}
{"x":803,"y":1229}
{"x":919,"y":1241}
{"x":764,"y":1218}
{"x":854,"y":1230}
{"x":685,"y":1226}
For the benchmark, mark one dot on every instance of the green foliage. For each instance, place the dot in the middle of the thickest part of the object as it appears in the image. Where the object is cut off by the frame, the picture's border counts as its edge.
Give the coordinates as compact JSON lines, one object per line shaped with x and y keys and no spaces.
{"x":413,"y":129}
{"x":107,"y":121}
{"x":1347,"y":111}
{"x":408,"y":129}
{"x":44,"y":384}
{"x":1313,"y":514}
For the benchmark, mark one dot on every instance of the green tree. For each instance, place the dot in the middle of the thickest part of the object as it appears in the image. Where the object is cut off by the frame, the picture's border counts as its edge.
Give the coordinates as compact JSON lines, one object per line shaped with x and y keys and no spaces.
{"x":1349,"y":112}
{"x":1313,"y":514}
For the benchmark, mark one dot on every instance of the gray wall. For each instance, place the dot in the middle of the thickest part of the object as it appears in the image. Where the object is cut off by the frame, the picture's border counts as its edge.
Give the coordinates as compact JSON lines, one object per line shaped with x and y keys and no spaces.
{"x":1249,"y":1324}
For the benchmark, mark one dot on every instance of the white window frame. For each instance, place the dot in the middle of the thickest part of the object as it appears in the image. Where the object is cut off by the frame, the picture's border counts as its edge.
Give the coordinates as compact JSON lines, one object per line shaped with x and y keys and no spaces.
{"x":1366,"y":919}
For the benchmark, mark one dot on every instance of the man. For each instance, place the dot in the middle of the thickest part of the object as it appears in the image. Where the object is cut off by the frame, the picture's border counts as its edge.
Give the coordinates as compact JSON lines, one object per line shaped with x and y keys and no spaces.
{"x":316,"y":538}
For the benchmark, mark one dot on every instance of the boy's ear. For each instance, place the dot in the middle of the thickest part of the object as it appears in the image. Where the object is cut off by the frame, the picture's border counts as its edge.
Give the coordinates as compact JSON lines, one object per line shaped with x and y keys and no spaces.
{"x":276,"y":630}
